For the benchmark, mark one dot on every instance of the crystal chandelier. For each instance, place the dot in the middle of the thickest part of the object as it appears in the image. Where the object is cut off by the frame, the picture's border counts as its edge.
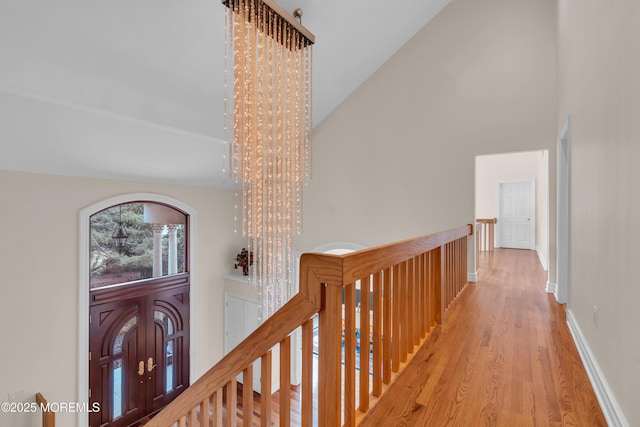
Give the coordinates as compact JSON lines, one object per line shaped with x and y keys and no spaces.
{"x":268,"y":131}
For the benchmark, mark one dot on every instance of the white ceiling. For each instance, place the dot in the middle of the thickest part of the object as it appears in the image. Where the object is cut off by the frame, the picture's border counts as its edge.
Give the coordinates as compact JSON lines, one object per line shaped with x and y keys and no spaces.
{"x":133,"y":89}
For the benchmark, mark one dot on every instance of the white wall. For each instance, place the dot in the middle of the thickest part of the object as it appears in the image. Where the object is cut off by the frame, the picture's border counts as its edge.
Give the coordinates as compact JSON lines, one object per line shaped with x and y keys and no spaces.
{"x":39,"y":264}
{"x":598,"y":74}
{"x":524,"y":166}
{"x":396,"y":159}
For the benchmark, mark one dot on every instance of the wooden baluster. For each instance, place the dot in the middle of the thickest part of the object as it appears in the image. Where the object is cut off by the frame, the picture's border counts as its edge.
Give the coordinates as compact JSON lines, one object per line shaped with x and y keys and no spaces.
{"x":285,"y":382}
{"x":460,"y":281}
{"x":454,"y":273}
{"x":378,"y":360}
{"x":488,"y":238}
{"x":217,"y":403}
{"x":404,"y":313}
{"x":456,"y":267}
{"x":265,"y":390}
{"x":434,"y":270}
{"x":409,"y":307}
{"x":307,"y":374}
{"x":427,"y":291}
{"x":182,"y":422}
{"x":386,"y":327}
{"x":232,"y":403}
{"x":491,"y":235}
{"x":426,"y":309}
{"x":465,"y":249}
{"x":193,"y":416}
{"x":447,"y":276}
{"x":395,"y":319}
{"x":365,"y":286}
{"x":349,"y":354}
{"x":204,"y":413}
{"x":414,"y":272}
{"x":330,"y":358}
{"x":441,"y":278}
{"x":421,"y":302}
{"x":247,"y":396}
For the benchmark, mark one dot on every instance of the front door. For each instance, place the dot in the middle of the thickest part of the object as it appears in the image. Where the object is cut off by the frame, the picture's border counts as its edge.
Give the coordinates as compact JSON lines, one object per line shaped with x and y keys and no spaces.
{"x":516,"y":215}
{"x":139,"y":348}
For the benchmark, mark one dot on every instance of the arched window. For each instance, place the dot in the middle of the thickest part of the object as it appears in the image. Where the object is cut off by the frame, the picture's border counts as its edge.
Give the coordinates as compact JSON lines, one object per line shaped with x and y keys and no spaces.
{"x":136,"y":241}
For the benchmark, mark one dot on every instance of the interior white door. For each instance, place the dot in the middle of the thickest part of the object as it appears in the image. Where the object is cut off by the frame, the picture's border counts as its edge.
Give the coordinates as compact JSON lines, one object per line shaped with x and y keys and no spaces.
{"x":517,"y":223}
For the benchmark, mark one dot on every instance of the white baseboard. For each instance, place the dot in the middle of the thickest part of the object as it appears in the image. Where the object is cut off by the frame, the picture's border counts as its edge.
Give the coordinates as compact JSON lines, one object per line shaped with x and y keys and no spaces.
{"x":472,"y":277}
{"x":543,"y":261}
{"x":550,"y":288}
{"x":610,"y":408}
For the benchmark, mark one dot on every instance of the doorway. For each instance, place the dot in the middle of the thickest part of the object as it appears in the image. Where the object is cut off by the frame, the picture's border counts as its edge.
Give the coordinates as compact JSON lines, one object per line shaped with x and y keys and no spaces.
{"x":139,"y":349}
{"x":517,"y":214}
{"x":137,"y":307}
{"x":493,"y":169}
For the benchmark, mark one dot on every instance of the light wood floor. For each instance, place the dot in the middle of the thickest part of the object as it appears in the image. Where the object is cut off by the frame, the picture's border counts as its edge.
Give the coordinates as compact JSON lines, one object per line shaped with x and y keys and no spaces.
{"x":504,"y":357}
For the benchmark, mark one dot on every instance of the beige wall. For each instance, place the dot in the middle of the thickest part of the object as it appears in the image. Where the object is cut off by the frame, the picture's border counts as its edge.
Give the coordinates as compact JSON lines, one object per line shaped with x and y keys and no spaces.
{"x":598,"y":74}
{"x":396,"y":159}
{"x":524,"y":166}
{"x":39,"y":290}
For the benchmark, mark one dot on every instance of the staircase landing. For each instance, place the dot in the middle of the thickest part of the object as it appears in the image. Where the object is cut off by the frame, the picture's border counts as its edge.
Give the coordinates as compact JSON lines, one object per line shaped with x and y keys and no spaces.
{"x":505,"y":357}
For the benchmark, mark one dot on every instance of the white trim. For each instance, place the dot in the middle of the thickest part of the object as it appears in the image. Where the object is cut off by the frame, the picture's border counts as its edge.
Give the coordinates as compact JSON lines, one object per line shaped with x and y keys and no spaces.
{"x":563,"y":213}
{"x":610,"y":408}
{"x":550,"y":288}
{"x":83,"y":284}
{"x":543,"y":261}
{"x":472,"y":277}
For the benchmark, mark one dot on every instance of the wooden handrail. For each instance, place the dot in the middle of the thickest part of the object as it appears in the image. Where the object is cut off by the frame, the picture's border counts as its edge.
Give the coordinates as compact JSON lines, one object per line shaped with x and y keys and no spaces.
{"x":411,"y":283}
{"x":48,"y":417}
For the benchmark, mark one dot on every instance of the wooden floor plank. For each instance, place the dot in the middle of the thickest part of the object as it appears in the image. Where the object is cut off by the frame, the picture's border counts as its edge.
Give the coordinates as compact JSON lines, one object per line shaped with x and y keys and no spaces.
{"x":504,"y":357}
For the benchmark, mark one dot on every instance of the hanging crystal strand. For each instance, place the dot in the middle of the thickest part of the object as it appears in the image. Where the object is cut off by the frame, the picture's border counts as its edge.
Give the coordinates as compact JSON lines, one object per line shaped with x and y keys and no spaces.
{"x":226,"y":93}
{"x":265,"y":279}
{"x":293,"y":215}
{"x":307,"y":137}
{"x":276,"y":113}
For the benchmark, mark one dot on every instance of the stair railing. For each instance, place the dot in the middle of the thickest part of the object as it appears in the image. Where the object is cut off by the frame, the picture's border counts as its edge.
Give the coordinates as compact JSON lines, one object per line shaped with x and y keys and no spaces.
{"x":374,"y":309}
{"x":48,"y":416}
{"x":485,"y":232}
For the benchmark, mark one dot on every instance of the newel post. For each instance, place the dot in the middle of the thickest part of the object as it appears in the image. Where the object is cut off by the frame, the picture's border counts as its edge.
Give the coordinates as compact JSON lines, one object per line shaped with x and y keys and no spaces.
{"x":329,"y":357}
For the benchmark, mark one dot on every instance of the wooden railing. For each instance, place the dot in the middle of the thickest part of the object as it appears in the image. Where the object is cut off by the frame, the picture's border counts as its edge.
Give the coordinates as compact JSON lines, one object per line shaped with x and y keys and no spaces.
{"x":485,"y":232}
{"x":48,"y":416}
{"x":405,"y":289}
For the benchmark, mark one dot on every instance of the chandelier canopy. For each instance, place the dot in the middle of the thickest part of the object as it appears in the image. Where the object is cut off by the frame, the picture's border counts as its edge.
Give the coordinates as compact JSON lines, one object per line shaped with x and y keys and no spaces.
{"x":268,"y":130}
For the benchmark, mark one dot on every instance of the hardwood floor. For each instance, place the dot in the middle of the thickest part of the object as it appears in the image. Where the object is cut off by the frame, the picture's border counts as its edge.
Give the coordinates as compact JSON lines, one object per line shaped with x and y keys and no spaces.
{"x":504,"y":357}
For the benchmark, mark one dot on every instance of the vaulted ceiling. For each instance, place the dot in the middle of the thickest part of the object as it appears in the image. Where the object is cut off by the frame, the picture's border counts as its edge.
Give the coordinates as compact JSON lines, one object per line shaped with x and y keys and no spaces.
{"x":134,"y":89}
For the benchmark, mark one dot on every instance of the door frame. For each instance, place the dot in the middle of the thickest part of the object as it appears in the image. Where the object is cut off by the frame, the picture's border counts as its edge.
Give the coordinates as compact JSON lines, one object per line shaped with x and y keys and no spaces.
{"x":532,"y":201}
{"x":563,"y":224}
{"x":83,"y":284}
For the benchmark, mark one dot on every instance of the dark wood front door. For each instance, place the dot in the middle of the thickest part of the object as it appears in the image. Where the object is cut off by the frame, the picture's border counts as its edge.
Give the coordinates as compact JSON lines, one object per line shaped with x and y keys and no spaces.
{"x":139,"y":348}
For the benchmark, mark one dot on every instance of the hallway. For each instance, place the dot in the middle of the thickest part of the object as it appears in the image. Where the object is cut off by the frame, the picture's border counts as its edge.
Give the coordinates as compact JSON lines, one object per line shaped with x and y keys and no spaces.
{"x":504,"y":357}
